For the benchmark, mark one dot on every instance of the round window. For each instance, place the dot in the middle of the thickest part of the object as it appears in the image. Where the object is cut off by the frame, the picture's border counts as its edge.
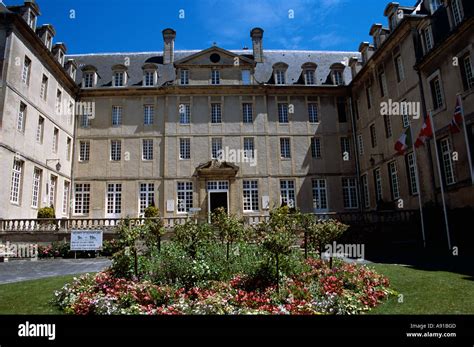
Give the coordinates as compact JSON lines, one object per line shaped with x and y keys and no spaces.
{"x":215,"y":58}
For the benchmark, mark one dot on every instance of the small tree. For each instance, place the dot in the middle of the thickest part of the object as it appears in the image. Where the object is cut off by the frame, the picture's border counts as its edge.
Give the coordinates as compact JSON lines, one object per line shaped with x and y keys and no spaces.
{"x":277,"y":235}
{"x":230,"y":229}
{"x":323,"y":232}
{"x":155,"y":224}
{"x":191,"y":236}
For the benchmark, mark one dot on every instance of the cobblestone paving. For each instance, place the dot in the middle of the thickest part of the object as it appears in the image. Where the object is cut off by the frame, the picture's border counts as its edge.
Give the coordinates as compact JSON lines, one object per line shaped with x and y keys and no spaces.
{"x":23,"y":270}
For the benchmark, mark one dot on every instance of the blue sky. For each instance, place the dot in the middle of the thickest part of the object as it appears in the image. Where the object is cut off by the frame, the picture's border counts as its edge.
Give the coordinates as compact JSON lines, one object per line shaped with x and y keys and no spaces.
{"x":135,"y":26}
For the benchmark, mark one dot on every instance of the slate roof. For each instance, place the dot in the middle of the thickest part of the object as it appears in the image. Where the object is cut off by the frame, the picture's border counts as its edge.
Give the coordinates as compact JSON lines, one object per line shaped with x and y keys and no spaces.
{"x":103,"y":62}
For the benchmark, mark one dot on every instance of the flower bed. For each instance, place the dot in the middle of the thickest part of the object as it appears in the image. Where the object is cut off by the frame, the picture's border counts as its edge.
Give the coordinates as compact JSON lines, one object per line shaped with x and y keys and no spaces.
{"x":343,"y":289}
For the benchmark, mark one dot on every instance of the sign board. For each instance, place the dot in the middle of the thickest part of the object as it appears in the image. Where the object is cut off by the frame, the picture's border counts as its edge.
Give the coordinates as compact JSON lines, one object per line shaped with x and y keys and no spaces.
{"x":86,"y":240}
{"x":169,"y":205}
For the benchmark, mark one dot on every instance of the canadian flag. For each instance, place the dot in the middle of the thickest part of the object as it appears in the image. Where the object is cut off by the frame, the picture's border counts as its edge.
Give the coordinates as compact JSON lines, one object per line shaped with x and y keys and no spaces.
{"x":455,"y":126}
{"x":425,"y":134}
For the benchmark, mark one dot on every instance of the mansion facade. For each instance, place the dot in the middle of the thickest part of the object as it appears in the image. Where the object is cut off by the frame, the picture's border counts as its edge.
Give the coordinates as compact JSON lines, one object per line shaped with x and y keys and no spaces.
{"x":107,"y":135}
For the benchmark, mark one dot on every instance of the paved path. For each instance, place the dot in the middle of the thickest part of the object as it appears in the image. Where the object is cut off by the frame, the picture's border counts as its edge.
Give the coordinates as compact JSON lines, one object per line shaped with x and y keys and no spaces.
{"x":23,"y":270}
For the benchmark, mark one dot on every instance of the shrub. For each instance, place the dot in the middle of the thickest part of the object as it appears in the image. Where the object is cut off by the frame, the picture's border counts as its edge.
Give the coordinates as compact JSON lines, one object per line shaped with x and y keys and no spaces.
{"x":191,"y":236}
{"x":46,"y":213}
{"x":230,"y":228}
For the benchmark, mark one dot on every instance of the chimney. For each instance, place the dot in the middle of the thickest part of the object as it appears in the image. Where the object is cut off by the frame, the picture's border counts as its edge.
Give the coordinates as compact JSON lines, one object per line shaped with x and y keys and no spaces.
{"x":168,"y":51}
{"x":257,"y":36}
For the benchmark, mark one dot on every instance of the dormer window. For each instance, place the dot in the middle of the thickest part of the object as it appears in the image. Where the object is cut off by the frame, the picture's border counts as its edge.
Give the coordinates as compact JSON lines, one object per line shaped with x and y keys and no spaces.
{"x":88,"y":80}
{"x":49,"y":41}
{"x":427,"y":38}
{"x":215,"y":77}
{"x":73,"y":72}
{"x":184,"y":77}
{"x":434,"y":5}
{"x":309,"y":73}
{"x":337,"y":74}
{"x":150,"y":75}
{"x":280,"y":76}
{"x":393,"y":21}
{"x":61,"y":57}
{"x":32,"y":20}
{"x":119,"y":76}
{"x":457,"y":12}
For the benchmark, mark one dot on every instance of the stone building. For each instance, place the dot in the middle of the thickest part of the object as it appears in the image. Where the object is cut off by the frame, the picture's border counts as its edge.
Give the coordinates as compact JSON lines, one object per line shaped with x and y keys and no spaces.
{"x":37,"y":100}
{"x":189,"y":131}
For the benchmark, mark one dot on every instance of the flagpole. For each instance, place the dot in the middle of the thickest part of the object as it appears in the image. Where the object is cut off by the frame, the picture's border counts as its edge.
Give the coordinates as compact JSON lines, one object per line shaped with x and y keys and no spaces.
{"x":466,"y":139}
{"x":440,"y":177}
{"x":417,"y":181}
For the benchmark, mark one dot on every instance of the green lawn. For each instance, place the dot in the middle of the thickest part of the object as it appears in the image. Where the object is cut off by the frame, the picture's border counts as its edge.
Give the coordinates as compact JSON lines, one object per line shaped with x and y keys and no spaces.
{"x":31,"y":297}
{"x":424,"y":292}
{"x":427,"y":292}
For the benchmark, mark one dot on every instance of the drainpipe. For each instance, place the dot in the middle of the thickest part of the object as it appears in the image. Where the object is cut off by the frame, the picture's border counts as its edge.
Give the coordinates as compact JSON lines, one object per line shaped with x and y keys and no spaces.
{"x":356,"y":150}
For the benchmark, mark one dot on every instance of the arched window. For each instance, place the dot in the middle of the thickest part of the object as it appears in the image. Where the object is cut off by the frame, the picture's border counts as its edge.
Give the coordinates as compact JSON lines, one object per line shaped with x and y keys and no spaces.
{"x":119,"y":76}
{"x":279,"y":71}
{"x":150,"y":75}
{"x":337,"y":74}
{"x":309,"y":72}
{"x":89,"y":76}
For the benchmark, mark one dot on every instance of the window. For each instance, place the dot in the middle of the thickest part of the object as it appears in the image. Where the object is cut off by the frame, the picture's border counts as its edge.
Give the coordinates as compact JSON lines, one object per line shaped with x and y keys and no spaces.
{"x":349,"y":193}
{"x":309,"y":77}
{"x":313,"y":112}
{"x":285,"y":149}
{"x":84,"y":150}
{"x":447,"y":160}
{"x":16,"y":182}
{"x":216,"y":147}
{"x":20,"y":125}
{"x":283,"y":113}
{"x":428,"y":39}
{"x":247,"y":113}
{"x":405,"y":116}
{"x":82,"y":198}
{"x":399,"y":68}
{"x":378,"y":184}
{"x":49,"y":41}
{"x":368,"y":92}
{"x":320,"y":200}
{"x":115,"y":150}
{"x":184,"y":77}
{"x":66,"y":197}
{"x":249,"y":147}
{"x":184,"y":196}
{"x":457,"y":12}
{"x":365,"y":189}
{"x":341,"y":110}
{"x":36,"y":193}
{"x":149,"y":78}
{"x":114,"y":198}
{"x":52,"y":190}
{"x":393,"y":21}
{"x":25,"y":73}
{"x":147,"y":149}
{"x":68,"y":148}
{"x":85,"y":120}
{"x":338,"y":78}
{"x":184,"y":114}
{"x":147,"y":196}
{"x":466,"y":72}
{"x":388,"y":125}
{"x":246,"y":77}
{"x":40,"y":130}
{"x":436,"y":93}
{"x":383,"y":84}
{"x":88,"y":79}
{"x":44,"y":88}
{"x":316,"y":147}
{"x":59,"y":96}
{"x":373,"y":136}
{"x":216,"y":116}
{"x":119,"y":79}
{"x":250,"y":192}
{"x":148,"y":114}
{"x":70,"y":113}
{"x":287,"y":193}
{"x":32,"y":20}
{"x":394,"y":186}
{"x":345,"y":148}
{"x":360,"y":142}
{"x":55,"y":140}
{"x":411,"y":167}
{"x":215,"y":77}
{"x":116,"y":115}
{"x":280,"y":77}
{"x":434,"y":5}
{"x":185,"y":148}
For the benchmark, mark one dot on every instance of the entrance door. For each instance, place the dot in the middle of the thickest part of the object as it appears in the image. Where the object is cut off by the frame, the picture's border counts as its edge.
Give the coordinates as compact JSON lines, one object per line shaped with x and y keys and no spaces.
{"x":218,"y":199}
